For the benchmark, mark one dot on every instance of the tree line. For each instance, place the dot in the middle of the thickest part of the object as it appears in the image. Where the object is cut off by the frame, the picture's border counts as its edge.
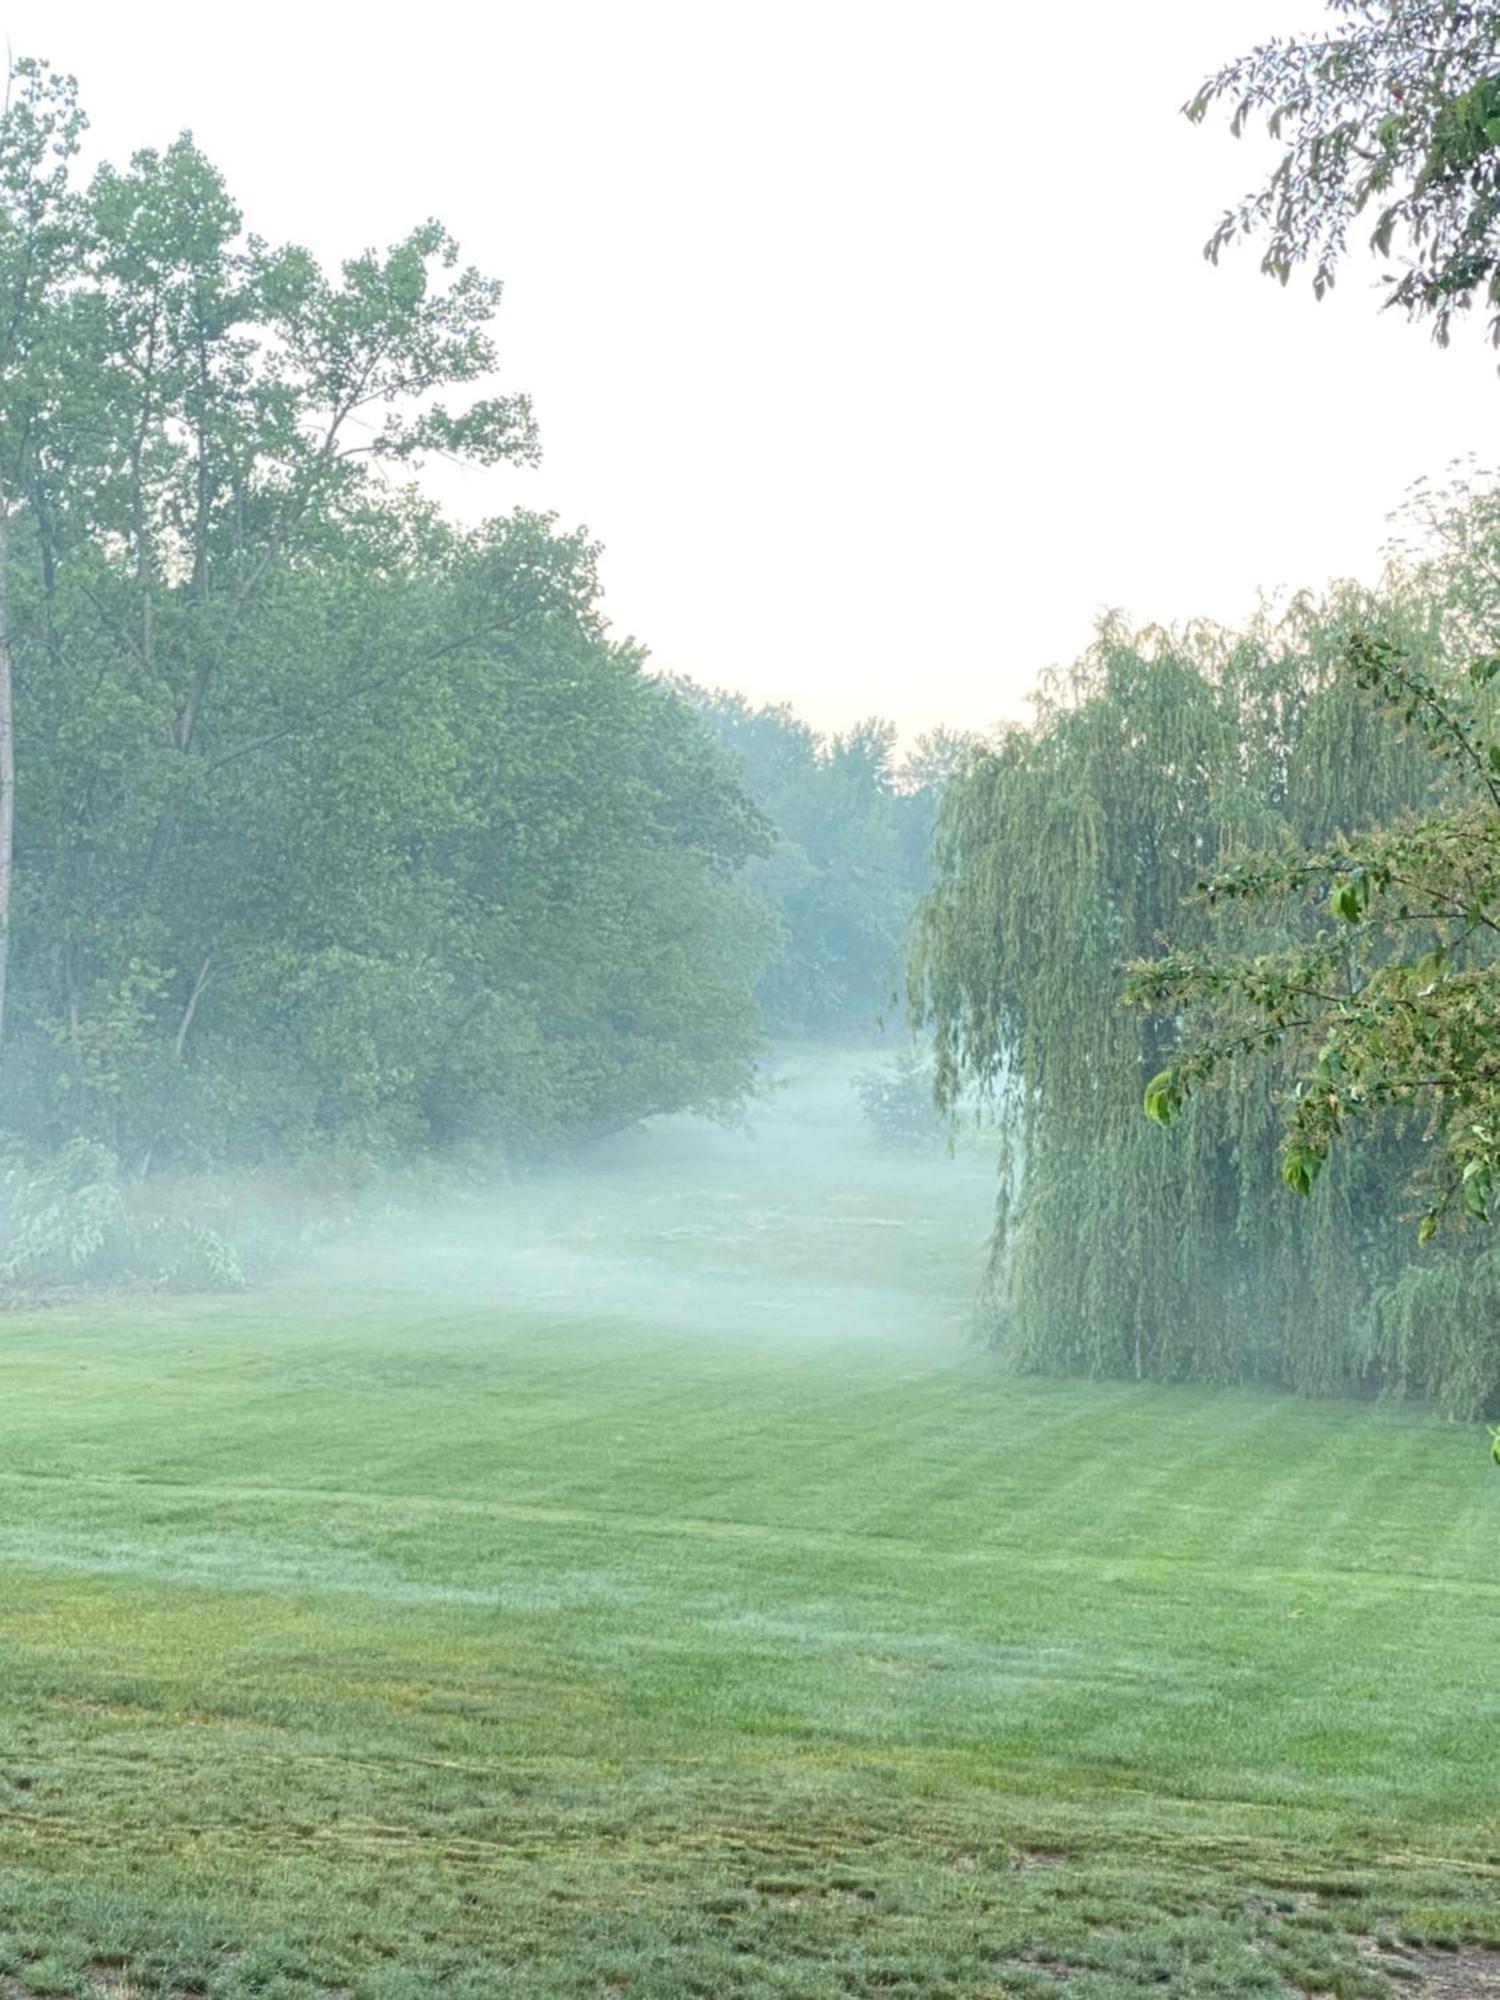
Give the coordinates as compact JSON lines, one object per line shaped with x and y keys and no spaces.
{"x":853,"y":816}
{"x":326,"y":825}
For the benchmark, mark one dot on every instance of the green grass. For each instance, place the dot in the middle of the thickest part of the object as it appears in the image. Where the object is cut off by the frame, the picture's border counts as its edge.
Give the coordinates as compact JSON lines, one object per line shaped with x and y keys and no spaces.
{"x":492,"y":1631}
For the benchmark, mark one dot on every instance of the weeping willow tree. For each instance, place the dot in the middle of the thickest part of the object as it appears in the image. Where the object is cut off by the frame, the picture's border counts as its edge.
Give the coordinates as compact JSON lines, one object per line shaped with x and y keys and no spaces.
{"x":1162,"y":760}
{"x":1063,"y":851}
{"x":1380,"y":1007}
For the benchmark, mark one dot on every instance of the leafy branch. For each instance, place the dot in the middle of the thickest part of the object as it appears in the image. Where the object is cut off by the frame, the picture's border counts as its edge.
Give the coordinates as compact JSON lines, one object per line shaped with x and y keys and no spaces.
{"x":1392,"y":1003}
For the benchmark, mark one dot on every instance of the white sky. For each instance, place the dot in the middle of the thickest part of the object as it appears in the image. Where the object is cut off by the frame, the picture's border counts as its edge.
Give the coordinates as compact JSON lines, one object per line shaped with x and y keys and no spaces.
{"x":873,"y":340}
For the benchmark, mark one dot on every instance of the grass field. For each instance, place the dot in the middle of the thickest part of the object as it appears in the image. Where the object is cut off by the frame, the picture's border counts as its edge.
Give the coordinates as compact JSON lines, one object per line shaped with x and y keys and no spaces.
{"x":645,"y":1592}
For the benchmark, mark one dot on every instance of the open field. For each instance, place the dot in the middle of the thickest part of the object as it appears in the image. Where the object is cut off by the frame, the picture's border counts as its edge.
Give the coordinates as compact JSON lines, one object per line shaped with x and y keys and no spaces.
{"x":649,"y":1594}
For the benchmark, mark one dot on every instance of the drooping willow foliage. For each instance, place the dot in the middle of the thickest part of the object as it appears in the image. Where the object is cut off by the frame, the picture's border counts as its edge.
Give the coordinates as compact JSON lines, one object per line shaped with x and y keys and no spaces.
{"x":1072,"y":846}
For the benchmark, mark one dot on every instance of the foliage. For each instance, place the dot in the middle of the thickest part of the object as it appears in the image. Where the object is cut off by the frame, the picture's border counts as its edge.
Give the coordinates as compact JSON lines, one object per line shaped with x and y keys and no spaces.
{"x":66,"y":1216}
{"x":338,"y":827}
{"x":1069,"y":848}
{"x":1378,"y":1006}
{"x":853,"y":830}
{"x":1391,"y":121}
{"x":1390,"y":1001}
{"x":69,"y":1219}
{"x":1378,"y":1000}
{"x":897,"y":1101}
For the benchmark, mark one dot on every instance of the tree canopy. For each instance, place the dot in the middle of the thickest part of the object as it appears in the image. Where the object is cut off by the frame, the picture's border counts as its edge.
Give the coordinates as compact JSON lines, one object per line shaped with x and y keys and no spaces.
{"x":1071,"y":846}
{"x":853,"y":823}
{"x":335,"y":825}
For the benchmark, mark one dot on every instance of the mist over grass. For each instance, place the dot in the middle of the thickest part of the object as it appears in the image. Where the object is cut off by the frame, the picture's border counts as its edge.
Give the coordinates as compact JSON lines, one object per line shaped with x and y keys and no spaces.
{"x":789,"y":1223}
{"x":633,"y":1582}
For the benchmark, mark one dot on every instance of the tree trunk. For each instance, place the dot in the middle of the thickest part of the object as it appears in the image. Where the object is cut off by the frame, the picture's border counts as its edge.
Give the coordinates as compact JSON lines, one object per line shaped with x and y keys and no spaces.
{"x":7,"y":764}
{"x":185,"y":1026}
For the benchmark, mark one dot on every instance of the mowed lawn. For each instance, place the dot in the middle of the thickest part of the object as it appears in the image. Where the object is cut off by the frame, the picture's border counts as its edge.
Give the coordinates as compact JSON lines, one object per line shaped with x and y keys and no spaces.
{"x":485,"y":1634}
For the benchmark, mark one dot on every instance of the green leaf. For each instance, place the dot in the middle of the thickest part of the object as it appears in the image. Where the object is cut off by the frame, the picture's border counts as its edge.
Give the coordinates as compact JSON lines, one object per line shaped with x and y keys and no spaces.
{"x":1162,"y":1097}
{"x":1301,"y":1168}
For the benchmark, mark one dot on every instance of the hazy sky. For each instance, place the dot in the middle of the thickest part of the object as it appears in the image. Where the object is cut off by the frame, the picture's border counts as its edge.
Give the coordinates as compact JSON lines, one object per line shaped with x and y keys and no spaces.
{"x":872,"y":340}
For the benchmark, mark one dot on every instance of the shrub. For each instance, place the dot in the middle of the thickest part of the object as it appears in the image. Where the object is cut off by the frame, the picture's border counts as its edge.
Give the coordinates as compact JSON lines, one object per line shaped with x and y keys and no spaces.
{"x":897,"y":1101}
{"x":68,"y":1220}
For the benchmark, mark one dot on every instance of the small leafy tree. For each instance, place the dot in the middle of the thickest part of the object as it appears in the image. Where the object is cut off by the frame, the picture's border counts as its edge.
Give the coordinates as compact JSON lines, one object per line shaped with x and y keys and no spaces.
{"x":1390,"y":1000}
{"x":897,"y":1101}
{"x":1386,"y":1005}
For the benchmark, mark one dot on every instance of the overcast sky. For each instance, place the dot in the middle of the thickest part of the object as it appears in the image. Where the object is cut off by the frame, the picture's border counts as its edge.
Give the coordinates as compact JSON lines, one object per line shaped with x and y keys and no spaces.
{"x":873,"y":341}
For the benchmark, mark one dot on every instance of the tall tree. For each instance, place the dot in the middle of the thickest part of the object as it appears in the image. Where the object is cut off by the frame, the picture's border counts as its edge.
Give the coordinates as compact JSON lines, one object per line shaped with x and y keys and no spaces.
{"x":338,"y":826}
{"x":1064,"y":849}
{"x":41,"y":232}
{"x":1390,"y":1000}
{"x":1378,"y":1008}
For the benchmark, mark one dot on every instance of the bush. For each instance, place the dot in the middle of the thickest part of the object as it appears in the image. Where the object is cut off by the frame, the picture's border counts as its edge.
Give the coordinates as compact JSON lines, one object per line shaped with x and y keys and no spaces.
{"x":897,"y":1101}
{"x":67,"y":1220}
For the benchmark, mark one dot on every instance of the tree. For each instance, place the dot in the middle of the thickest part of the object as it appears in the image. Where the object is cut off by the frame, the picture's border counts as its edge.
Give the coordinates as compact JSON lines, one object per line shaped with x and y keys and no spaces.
{"x":1069,"y":846}
{"x":1388,"y":1002}
{"x":338,"y":827}
{"x":1352,"y":983}
{"x":854,"y":832}
{"x":41,"y":231}
{"x":1329,"y":978}
{"x":1381,"y":1012}
{"x":1391,"y":122}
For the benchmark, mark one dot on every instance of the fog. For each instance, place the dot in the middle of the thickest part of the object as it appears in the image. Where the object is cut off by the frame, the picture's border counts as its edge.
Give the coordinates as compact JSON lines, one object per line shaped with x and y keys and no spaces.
{"x":793,"y":1224}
